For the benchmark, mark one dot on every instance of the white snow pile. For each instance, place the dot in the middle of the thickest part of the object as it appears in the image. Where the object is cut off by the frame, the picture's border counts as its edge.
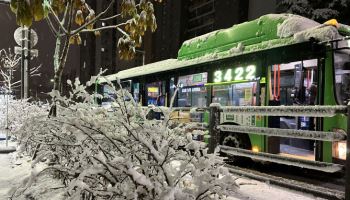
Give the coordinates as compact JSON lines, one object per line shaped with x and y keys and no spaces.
{"x":98,"y":154}
{"x":320,"y":33}
{"x":303,"y":29}
{"x":237,"y":50}
{"x":201,"y":38}
{"x":17,"y":112}
{"x":294,"y":24}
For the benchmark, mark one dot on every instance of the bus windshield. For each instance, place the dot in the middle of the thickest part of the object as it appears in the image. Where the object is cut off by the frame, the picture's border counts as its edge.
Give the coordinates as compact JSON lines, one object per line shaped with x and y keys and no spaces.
{"x":342,"y":75}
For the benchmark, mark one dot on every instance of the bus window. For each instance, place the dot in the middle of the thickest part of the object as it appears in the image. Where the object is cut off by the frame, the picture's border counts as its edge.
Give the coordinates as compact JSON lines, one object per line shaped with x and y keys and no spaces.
{"x":172,"y":87}
{"x":342,"y":75}
{"x":185,"y":97}
{"x":240,"y":94}
{"x":136,"y":92}
{"x":223,"y":94}
{"x":155,"y":93}
{"x":294,"y":83}
{"x":199,"y":96}
{"x":192,"y":97}
{"x":108,"y":96}
{"x":192,"y":92}
{"x":126,"y":85}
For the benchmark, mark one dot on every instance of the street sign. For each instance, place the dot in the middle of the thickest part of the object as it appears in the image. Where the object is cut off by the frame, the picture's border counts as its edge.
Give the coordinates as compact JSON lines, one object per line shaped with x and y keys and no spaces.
{"x":33,"y":52}
{"x":18,"y":36}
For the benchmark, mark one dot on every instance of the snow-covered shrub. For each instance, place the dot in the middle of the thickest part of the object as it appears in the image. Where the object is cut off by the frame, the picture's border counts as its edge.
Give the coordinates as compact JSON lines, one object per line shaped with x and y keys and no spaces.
{"x":17,"y":112}
{"x":98,"y":154}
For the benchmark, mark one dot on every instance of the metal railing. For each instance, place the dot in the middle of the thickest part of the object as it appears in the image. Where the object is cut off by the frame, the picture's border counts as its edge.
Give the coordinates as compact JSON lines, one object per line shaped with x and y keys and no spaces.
{"x":309,"y":111}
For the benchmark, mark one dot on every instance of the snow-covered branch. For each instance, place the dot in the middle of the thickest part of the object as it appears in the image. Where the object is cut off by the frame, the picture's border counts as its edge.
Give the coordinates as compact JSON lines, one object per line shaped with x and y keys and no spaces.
{"x":9,"y":64}
{"x":102,"y":154}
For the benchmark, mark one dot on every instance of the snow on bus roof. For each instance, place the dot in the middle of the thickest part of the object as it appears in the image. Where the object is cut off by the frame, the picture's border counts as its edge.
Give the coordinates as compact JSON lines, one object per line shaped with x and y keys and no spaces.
{"x":294,"y":29}
{"x":161,"y":66}
{"x":303,"y":29}
{"x":143,"y":70}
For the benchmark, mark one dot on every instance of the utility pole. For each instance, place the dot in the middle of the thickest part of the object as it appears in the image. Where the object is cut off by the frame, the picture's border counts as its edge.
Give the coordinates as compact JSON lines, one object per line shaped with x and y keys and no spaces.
{"x":25,"y":64}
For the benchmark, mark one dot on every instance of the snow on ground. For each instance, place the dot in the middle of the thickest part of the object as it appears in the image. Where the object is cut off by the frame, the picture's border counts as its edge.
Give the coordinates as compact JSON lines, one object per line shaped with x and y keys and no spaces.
{"x":14,"y":171}
{"x":255,"y":190}
{"x":11,"y":173}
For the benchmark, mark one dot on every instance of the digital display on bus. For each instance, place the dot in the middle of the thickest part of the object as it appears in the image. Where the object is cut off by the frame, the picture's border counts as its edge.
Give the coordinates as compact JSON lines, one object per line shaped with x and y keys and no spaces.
{"x":235,"y":74}
{"x":193,"y":79}
{"x":153,"y":92}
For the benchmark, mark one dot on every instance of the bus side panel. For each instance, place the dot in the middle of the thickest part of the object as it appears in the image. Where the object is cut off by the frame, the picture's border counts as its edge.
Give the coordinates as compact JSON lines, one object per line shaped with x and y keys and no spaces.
{"x":329,"y":99}
{"x":257,"y":141}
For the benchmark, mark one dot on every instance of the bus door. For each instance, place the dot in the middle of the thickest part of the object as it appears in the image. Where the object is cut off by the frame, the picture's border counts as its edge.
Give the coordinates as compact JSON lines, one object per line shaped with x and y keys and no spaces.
{"x":293,"y":83}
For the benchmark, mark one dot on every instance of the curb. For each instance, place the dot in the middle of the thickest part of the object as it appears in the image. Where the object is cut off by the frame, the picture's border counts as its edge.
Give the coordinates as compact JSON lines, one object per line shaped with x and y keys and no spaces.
{"x":8,"y":149}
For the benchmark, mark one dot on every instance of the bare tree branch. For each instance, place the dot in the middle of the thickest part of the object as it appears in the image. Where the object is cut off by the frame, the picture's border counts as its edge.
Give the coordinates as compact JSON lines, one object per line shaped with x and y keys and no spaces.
{"x":52,"y":28}
{"x":52,"y":12}
{"x":104,"y":28}
{"x":93,"y":20}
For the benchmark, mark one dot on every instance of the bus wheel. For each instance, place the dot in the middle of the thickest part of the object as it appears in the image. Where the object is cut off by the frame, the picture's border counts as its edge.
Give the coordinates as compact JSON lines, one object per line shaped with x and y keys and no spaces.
{"x":233,"y":140}
{"x":237,"y":141}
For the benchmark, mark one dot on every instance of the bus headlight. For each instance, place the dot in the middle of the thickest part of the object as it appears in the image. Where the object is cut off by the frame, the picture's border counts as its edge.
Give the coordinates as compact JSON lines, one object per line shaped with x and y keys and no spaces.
{"x":255,"y":149}
{"x":339,"y":150}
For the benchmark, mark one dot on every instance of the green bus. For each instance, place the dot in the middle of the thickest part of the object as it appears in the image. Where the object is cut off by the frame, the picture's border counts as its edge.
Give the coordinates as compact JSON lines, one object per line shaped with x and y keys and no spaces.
{"x":277,"y":59}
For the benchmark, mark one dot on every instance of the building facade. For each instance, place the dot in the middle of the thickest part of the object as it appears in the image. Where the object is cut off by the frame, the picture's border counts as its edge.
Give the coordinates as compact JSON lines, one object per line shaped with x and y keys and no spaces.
{"x":177,"y":21}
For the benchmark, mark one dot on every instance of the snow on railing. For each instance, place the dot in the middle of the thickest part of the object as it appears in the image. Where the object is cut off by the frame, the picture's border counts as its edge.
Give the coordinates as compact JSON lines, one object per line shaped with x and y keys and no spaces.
{"x":308,"y":164}
{"x":289,"y":133}
{"x":163,"y":108}
{"x":290,"y":111}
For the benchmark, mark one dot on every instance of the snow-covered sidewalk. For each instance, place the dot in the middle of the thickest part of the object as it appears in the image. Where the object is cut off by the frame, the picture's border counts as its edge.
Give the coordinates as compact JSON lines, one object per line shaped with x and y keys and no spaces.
{"x":11,"y":173}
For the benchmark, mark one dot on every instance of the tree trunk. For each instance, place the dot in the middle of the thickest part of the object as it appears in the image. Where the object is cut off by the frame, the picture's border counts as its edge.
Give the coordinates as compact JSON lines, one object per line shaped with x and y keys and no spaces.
{"x":60,"y":59}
